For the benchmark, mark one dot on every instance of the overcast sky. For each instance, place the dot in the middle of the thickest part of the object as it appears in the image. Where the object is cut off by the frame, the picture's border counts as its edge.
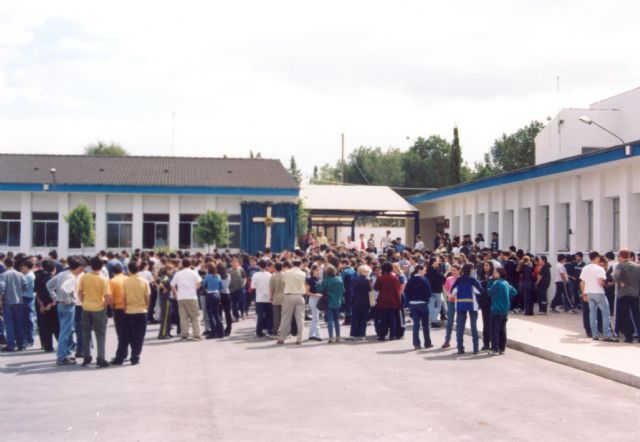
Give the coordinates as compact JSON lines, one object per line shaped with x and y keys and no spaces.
{"x":287,"y":78}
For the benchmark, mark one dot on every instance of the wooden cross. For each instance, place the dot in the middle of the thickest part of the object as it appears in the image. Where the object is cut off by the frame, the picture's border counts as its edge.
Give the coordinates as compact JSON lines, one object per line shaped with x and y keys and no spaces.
{"x":268,"y":222}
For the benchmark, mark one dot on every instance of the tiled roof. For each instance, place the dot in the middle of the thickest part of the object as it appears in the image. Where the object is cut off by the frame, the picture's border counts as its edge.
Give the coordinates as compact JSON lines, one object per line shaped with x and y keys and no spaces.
{"x":145,"y":171}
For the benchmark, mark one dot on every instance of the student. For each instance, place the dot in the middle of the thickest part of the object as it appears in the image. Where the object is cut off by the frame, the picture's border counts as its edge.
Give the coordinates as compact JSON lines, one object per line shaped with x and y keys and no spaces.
{"x":12,"y":285}
{"x":28,"y":302}
{"x":47,"y":313}
{"x":333,"y":287}
{"x":418,"y":293}
{"x":592,"y":281}
{"x":94,"y":292}
{"x":360,"y":303}
{"x":501,"y":293}
{"x":436,"y":281}
{"x":451,"y":303}
{"x":542,"y":284}
{"x":466,"y":304}
{"x":136,"y":301}
{"x":311,"y":285}
{"x":212,"y":284}
{"x":264,"y":312}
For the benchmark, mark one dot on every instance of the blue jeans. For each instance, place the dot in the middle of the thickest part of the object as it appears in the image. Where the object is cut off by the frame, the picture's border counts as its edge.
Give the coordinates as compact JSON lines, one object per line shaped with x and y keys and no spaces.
{"x":333,"y":321}
{"x":420,"y":316}
{"x":66,"y":315}
{"x":598,"y":301}
{"x":462,"y":321}
{"x":264,"y":318}
{"x":435,"y":305}
{"x":213,"y":313}
{"x":237,"y":303}
{"x":28,"y":318}
{"x":451,"y":313}
{"x":13,"y":322}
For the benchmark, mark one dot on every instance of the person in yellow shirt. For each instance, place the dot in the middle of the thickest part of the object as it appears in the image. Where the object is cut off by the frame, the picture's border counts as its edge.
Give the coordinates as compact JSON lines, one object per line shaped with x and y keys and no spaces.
{"x":136,"y":301}
{"x":94,"y":293}
{"x":117,"y":295}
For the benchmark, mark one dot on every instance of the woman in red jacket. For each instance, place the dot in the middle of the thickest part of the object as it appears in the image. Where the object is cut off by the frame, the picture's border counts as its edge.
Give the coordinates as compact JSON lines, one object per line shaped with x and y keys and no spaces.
{"x":388,"y":303}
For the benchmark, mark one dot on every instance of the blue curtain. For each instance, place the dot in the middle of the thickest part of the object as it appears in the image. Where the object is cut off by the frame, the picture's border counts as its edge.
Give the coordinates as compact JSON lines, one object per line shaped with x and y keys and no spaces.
{"x":283,"y":236}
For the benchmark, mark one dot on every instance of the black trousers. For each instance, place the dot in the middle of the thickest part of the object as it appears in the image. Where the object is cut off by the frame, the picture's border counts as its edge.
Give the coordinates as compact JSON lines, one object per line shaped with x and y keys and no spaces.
{"x":135,"y":329}
{"x":387,"y":320}
{"x":486,"y":325}
{"x":165,"y":316}
{"x":175,"y":315}
{"x":119,"y":320}
{"x":560,"y":298}
{"x":542,"y":297}
{"x":225,"y":306}
{"x":48,"y":327}
{"x":629,"y":315}
{"x":213,"y":313}
{"x":153,"y":298}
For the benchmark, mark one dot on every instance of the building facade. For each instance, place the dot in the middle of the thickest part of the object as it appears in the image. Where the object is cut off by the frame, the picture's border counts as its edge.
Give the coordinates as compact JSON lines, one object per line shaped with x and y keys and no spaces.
{"x":137,"y":202}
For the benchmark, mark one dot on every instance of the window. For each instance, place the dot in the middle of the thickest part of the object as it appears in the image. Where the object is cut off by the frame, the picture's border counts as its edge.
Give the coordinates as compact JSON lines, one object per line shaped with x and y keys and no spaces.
{"x":616,"y":223}
{"x":10,"y":229}
{"x":119,"y":229}
{"x":589,"y":225}
{"x":45,"y":229}
{"x":233,"y":241}
{"x":187,"y":238}
{"x":155,"y":231}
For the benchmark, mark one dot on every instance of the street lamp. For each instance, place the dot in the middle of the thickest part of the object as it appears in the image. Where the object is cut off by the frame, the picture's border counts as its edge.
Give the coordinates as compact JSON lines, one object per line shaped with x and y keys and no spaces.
{"x":589,"y":121}
{"x":53,"y":174}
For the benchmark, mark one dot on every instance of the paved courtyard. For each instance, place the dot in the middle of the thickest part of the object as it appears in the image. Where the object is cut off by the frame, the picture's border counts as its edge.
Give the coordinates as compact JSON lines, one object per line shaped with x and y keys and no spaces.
{"x":243,"y":388}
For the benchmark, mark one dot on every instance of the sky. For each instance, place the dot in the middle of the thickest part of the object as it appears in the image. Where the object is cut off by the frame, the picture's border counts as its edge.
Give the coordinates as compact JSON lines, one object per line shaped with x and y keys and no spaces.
{"x":283,"y":78}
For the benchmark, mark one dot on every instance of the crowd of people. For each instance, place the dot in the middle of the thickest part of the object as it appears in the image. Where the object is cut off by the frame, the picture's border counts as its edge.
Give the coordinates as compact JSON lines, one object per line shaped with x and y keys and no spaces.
{"x":351,"y":284}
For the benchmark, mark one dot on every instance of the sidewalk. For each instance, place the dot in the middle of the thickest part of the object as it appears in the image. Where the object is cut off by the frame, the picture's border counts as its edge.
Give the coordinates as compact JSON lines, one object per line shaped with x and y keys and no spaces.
{"x":560,"y":338}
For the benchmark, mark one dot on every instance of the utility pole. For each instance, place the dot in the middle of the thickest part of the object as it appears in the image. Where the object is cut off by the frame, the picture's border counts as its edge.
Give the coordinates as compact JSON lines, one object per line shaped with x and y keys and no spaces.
{"x":342,"y":162}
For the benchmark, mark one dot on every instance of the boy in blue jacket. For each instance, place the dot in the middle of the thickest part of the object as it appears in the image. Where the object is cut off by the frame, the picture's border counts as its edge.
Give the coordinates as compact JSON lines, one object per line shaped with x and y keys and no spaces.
{"x":501,"y":293}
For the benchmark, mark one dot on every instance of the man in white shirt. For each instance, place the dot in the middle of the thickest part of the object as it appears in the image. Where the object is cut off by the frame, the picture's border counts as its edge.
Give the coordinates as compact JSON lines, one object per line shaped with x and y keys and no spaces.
{"x":385,"y":242}
{"x":419,"y":244}
{"x":293,"y":304}
{"x":592,"y":279}
{"x":351,"y":244}
{"x":264,"y":314}
{"x":185,"y":285}
{"x":562,"y":296}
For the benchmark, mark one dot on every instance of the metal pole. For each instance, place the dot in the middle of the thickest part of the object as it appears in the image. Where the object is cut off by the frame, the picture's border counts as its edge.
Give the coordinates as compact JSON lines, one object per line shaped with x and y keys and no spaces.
{"x":342,"y":161}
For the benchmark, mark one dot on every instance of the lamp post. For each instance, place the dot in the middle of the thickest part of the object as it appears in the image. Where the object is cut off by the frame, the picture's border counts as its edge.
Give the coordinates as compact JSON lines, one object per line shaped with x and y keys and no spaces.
{"x":53,"y":174}
{"x":589,"y":121}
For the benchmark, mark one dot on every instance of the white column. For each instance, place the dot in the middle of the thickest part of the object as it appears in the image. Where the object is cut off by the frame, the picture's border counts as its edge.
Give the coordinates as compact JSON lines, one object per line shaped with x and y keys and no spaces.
{"x":574,"y":205}
{"x":101,"y":221}
{"x":534,"y":223}
{"x":63,"y":226}
{"x":174,"y":221}
{"x":502,"y":237}
{"x":553,"y":219}
{"x":25,"y":221}
{"x":517,"y":214}
{"x":598,"y":215}
{"x":474,"y":216}
{"x":136,"y":221}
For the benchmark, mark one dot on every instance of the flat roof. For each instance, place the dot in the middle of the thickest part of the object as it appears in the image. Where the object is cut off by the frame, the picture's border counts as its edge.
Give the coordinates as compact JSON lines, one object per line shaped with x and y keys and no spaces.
{"x":354,"y":198}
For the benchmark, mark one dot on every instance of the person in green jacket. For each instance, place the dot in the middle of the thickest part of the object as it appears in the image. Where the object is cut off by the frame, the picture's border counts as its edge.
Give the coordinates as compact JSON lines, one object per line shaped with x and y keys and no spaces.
{"x":333,"y":287}
{"x":501,"y":292}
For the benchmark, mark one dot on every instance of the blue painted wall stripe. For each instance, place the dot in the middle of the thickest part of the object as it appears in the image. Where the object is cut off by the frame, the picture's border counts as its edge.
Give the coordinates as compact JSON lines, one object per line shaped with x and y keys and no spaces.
{"x":201,"y":190}
{"x":564,"y":165}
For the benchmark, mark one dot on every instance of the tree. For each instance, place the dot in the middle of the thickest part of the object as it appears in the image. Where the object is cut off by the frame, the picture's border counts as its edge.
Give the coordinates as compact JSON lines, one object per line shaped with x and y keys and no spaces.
{"x":294,"y":171}
{"x":303,"y":218}
{"x":212,"y":228}
{"x":111,"y":150}
{"x":315,"y":174}
{"x":514,"y":151}
{"x":427,"y":163}
{"x":455,"y":159}
{"x":80,"y":223}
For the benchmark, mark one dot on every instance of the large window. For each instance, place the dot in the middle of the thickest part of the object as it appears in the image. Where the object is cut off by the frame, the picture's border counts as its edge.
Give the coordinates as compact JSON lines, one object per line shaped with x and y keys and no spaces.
{"x":187,"y":238}
{"x":155,"y":231}
{"x":119,"y":229}
{"x":10,"y":229}
{"x":616,"y":223}
{"x":233,"y":241}
{"x":74,"y":239}
{"x":45,"y":229}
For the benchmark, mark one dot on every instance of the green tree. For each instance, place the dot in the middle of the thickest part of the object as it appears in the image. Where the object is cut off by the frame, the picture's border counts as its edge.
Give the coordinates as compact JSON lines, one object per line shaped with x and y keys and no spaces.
{"x":294,"y":171}
{"x":455,"y":159}
{"x":315,"y":174}
{"x":303,"y":217}
{"x":374,"y":166}
{"x":212,"y":229}
{"x":80,"y":223}
{"x":111,"y":150}
{"x":427,"y":163}
{"x":514,"y":151}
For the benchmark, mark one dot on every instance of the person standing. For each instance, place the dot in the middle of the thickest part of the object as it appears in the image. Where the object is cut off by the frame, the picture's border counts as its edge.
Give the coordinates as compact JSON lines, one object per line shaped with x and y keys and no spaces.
{"x":95,"y":295}
{"x":28,"y":302}
{"x":542,"y":285}
{"x":332,"y":286}
{"x":276,"y":292}
{"x":451,"y":303}
{"x":12,"y":285}
{"x":185,"y":285}
{"x":136,"y":301}
{"x":116,"y":286}
{"x":389,"y":290}
{"x":293,"y":304}
{"x":592,"y":280}
{"x":236,"y":289}
{"x":360,"y":303}
{"x":62,"y":288}
{"x":418,"y":293}
{"x":627,"y":277}
{"x":562,"y":278}
{"x":419,"y":245}
{"x":314,"y":297}
{"x":436,"y":282}
{"x":212,"y":285}
{"x":165,"y":295}
{"x":264,"y":313}
{"x":47,"y":313}
{"x":501,"y":293}
{"x":466,"y":288}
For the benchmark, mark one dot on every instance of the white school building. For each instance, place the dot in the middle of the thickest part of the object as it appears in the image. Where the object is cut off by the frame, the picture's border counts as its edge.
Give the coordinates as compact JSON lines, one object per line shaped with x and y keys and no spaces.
{"x":583,"y":193}
{"x":137,"y":202}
